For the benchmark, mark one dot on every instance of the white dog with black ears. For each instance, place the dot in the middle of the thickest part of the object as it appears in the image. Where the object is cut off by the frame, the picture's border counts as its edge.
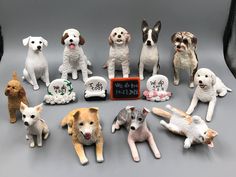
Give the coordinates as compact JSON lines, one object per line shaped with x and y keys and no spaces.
{"x":36,"y":66}
{"x":74,"y":58}
{"x":209,"y":86}
{"x":119,"y":52}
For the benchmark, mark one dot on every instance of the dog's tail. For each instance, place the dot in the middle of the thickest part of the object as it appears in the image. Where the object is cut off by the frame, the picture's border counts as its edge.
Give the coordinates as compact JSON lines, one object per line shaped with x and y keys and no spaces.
{"x":161,"y":112}
{"x":14,"y":76}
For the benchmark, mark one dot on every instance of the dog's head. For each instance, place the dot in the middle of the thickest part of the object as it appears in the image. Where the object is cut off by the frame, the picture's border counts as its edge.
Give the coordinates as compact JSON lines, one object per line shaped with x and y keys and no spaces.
{"x":86,"y":122}
{"x":137,"y":116}
{"x":30,"y":115}
{"x":35,"y":43}
{"x":184,"y":41}
{"x":204,"y":78}
{"x":72,"y":38}
{"x":14,"y":87}
{"x":204,"y":135}
{"x":150,"y":35}
{"x":119,"y":36}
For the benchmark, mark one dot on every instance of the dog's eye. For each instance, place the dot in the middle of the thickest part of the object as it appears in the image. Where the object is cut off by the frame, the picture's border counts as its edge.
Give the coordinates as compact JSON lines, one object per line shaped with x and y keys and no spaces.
{"x":115,"y":34}
{"x":177,"y":39}
{"x":74,"y":36}
{"x":24,"y":116}
{"x":140,"y":119}
{"x":32,"y":116}
{"x":81,"y":124}
{"x":198,"y":75}
{"x":122,"y":32}
{"x":13,"y":87}
{"x":206,"y":75}
{"x":185,"y":41}
{"x":40,"y":42}
{"x":32,"y":42}
{"x":91,"y":123}
{"x":132,"y":117}
{"x":205,"y":132}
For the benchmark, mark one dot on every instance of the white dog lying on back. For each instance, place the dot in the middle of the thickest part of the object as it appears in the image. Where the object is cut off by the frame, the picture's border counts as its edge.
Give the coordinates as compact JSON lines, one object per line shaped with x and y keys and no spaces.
{"x":35,"y":125}
{"x":36,"y":66}
{"x":209,"y":86}
{"x":74,"y":58}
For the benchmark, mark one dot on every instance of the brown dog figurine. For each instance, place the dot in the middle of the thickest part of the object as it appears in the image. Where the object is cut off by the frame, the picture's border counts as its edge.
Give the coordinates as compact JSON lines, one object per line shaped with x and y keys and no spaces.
{"x":84,"y":126}
{"x":16,"y":94}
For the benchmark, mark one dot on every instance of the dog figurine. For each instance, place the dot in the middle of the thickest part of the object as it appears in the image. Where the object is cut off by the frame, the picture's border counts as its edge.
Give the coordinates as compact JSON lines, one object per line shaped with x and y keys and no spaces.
{"x":134,"y":120}
{"x":74,"y":58}
{"x":119,"y":52}
{"x":36,"y":66}
{"x":149,"y":57}
{"x":34,"y":124}
{"x":209,"y":86}
{"x":185,"y":56}
{"x":84,"y":126}
{"x":16,"y":94}
{"x":193,"y":127}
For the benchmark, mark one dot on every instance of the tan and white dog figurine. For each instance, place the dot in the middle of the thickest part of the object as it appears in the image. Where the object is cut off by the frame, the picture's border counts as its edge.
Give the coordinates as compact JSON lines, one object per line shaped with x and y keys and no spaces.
{"x":74,"y":58}
{"x":209,"y":86}
{"x":134,"y":120}
{"x":185,"y":56}
{"x":35,"y":125}
{"x":193,"y":127}
{"x":119,"y":52}
{"x":84,"y":126}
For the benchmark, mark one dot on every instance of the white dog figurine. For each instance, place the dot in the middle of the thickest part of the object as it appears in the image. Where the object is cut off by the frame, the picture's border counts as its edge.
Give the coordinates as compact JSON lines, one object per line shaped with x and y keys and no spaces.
{"x":193,"y":127}
{"x":35,"y":125}
{"x":36,"y":66}
{"x":74,"y":58}
{"x":208,"y":87}
{"x":119,"y":52}
{"x":149,"y":57}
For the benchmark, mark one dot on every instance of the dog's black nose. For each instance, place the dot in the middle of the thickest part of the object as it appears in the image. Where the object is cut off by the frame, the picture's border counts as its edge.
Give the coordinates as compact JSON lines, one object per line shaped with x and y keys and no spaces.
{"x":178,"y":46}
{"x":38,"y":47}
{"x":119,"y":36}
{"x":71,"y":40}
{"x":132,"y":128}
{"x":26,"y":123}
{"x":200,"y":82}
{"x":148,"y":42}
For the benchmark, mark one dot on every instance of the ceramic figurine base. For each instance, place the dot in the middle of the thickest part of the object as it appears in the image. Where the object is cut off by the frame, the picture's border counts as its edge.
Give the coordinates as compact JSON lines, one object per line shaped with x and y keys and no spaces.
{"x":60,"y":91}
{"x":157,"y":86}
{"x":95,"y":89}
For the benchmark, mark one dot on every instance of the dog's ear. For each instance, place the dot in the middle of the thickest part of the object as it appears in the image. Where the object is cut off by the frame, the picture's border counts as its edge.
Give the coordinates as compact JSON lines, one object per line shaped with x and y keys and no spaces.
{"x":76,"y":115}
{"x":21,"y":92}
{"x":128,"y":38}
{"x":81,"y":40}
{"x":173,"y":37}
{"x":39,"y":107}
{"x":213,"y":78}
{"x":14,"y":76}
{"x":144,"y":26}
{"x":93,"y":109}
{"x":130,"y":108}
{"x":110,"y":41}
{"x":45,"y":42}
{"x":213,"y":133}
{"x":22,"y":106}
{"x":26,"y":41}
{"x":157,"y":27}
{"x":63,"y":38}
{"x":145,"y":111}
{"x":194,"y":41}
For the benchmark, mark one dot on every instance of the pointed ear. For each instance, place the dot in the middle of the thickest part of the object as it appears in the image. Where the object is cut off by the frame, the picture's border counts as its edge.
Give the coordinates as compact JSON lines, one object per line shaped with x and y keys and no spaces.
{"x":173,"y":37}
{"x":14,"y":76}
{"x":63,"y":38}
{"x":213,"y":78}
{"x":130,"y":108}
{"x":128,"y":38}
{"x":22,"y":106}
{"x":76,"y":115}
{"x":110,"y":41}
{"x":197,"y":119}
{"x":194,"y":41}
{"x":81,"y":40}
{"x":45,"y":42}
{"x":93,"y":109}
{"x":213,"y":132}
{"x":145,"y":111}
{"x":39,"y":107}
{"x":21,"y":92}
{"x":26,"y":41}
{"x":144,"y":26}
{"x":157,"y":26}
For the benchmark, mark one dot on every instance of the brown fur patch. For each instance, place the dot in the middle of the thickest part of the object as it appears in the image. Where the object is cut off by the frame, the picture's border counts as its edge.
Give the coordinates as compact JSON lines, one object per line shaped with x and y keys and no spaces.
{"x":63,"y":38}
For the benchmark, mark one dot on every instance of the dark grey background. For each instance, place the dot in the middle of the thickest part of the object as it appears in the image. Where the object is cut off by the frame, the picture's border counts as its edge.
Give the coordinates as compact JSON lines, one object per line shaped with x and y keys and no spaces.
{"x":95,"y":19}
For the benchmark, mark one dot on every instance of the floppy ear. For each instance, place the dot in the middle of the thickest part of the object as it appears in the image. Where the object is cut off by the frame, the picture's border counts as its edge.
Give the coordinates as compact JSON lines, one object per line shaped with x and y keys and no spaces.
{"x":130,"y":108}
{"x":128,"y":38}
{"x":173,"y":37}
{"x":81,"y":40}
{"x":110,"y":41}
{"x":22,"y":106}
{"x":76,"y":115}
{"x":39,"y":107}
{"x":145,"y":111}
{"x":157,"y":26}
{"x":26,"y":41}
{"x":213,"y":78}
{"x":144,"y":26}
{"x":197,"y":119}
{"x":194,"y":41}
{"x":63,"y":38}
{"x":45,"y":42}
{"x":21,"y":92}
{"x":213,"y":132}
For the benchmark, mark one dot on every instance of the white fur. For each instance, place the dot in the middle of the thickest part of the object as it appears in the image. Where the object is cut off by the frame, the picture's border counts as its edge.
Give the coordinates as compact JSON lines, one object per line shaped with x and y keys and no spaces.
{"x":207,"y":91}
{"x":35,"y":125}
{"x":119,"y":52}
{"x":74,"y":59}
{"x":36,"y":66}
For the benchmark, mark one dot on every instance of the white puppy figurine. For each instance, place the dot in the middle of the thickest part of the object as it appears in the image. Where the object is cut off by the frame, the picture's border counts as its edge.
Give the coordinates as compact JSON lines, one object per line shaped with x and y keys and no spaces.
{"x":149,"y":57}
{"x":35,"y":125}
{"x":119,"y":52}
{"x":74,"y":58}
{"x":209,"y":86}
{"x":36,"y":66}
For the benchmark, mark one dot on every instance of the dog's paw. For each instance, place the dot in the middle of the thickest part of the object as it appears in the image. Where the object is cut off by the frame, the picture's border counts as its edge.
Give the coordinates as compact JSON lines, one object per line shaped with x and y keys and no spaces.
{"x":36,"y":87}
{"x":157,"y":155}
{"x":32,"y":144}
{"x":141,"y":77}
{"x":136,"y":158}
{"x":26,"y":137}
{"x":208,"y":119}
{"x":191,"y":85}
{"x":40,"y":144}
{"x":176,"y":82}
{"x":111,"y":76}
{"x":163,"y":123}
{"x":100,"y":159}
{"x":47,"y":84}
{"x":187,"y":144}
{"x":84,"y":161}
{"x":125,"y":76}
{"x":13,"y":120}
